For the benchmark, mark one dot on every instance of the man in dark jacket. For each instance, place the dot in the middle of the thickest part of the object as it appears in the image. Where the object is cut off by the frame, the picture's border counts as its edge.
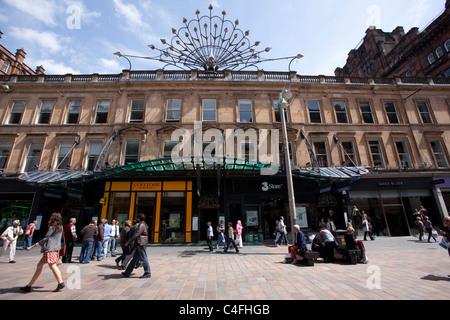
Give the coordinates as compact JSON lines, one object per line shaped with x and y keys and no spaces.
{"x":140,"y":241}
{"x":300,"y":242}
{"x":124,"y":235}
{"x":88,"y":233}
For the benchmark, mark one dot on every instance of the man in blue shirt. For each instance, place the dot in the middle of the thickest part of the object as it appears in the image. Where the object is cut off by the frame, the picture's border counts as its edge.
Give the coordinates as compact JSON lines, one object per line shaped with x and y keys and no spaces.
{"x":106,"y":238}
{"x":300,"y":242}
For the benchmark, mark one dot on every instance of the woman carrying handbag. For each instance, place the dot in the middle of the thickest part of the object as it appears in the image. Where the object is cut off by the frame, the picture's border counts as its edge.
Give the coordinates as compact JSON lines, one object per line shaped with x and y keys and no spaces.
{"x":51,"y":248}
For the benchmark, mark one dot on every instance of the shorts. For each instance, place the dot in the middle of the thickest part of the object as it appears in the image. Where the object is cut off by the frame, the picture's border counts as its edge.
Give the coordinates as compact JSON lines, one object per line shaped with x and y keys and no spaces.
{"x":51,"y":257}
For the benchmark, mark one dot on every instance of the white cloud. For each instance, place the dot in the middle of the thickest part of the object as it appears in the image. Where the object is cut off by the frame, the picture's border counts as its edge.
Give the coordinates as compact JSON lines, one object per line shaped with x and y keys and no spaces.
{"x":46,"y":39}
{"x":42,"y":10}
{"x":109,"y":66}
{"x":132,"y":17}
{"x":85,"y":15}
{"x":51,"y":66}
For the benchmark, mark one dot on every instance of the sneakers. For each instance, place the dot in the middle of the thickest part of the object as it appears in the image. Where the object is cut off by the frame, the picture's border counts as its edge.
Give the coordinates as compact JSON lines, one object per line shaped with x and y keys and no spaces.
{"x":145,"y":275}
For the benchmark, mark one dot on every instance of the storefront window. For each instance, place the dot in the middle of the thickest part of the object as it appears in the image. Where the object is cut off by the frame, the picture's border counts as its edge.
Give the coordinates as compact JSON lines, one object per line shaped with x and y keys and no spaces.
{"x":119,"y":207}
{"x":146,"y":204}
{"x":173,"y":217}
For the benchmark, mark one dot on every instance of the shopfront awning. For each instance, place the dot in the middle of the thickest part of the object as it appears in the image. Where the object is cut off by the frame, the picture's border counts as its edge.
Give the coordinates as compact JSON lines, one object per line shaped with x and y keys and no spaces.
{"x":167,"y":166}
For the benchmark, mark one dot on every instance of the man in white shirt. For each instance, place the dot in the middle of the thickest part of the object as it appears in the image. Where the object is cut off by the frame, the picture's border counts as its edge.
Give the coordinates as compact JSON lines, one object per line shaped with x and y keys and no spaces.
{"x":114,"y":236}
{"x":9,"y":237}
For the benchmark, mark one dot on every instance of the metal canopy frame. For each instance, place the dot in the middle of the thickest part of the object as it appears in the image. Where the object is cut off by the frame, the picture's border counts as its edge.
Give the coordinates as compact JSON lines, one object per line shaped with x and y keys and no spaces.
{"x":209,"y":42}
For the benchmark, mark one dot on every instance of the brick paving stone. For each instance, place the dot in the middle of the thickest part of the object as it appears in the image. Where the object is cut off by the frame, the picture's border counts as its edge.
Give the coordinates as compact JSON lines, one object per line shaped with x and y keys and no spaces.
{"x":257,"y":273}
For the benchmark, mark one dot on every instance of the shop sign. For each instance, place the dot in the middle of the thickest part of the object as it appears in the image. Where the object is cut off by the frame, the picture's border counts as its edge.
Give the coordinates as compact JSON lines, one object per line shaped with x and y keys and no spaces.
{"x":208,"y":202}
{"x":146,"y":186}
{"x":265,"y":186}
{"x":390,"y":184}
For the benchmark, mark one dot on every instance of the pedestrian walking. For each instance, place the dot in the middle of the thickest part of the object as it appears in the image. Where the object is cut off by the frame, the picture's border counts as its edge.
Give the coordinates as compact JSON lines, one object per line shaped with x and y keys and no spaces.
{"x":420,"y":227}
{"x":140,"y":238}
{"x":209,"y":236}
{"x":88,"y":234}
{"x":9,"y":237}
{"x":29,"y":232}
{"x":70,"y":236}
{"x":231,"y":238}
{"x":277,"y":233}
{"x":445,"y":232}
{"x":330,"y":225}
{"x":429,"y":227}
{"x":283,"y":230}
{"x":50,"y":246}
{"x":123,"y":239}
{"x":239,"y":229}
{"x":366,"y":228}
{"x":221,"y":234}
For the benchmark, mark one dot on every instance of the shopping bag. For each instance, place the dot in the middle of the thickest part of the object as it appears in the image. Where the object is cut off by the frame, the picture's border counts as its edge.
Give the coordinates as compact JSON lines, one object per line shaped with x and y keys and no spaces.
{"x":434,"y":234}
{"x":444,"y":243}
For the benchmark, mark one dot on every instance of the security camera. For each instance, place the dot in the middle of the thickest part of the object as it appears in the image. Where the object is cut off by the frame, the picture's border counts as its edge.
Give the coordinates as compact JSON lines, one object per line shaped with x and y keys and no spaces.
{"x":6,"y":88}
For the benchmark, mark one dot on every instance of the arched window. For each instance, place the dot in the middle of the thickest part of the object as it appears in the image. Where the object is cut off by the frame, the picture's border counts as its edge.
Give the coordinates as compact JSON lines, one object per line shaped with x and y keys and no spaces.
{"x":5,"y":66}
{"x":439,"y":52}
{"x":447,"y":45}
{"x":431,"y":58}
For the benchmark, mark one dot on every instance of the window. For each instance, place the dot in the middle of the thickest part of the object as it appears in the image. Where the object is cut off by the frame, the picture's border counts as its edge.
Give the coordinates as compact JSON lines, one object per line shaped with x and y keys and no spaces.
{"x":431,"y":58}
{"x":5,"y":151}
{"x":447,"y":73}
{"x":209,"y":109}
{"x":403,"y":154}
{"x":131,"y":152}
{"x":173,"y":110}
{"x":247,"y":151}
{"x":439,"y":154}
{"x":245,"y":110}
{"x":349,"y":148}
{"x":391,"y":112}
{"x":16,"y":112}
{"x":46,"y":112}
{"x":33,"y":157}
{"x":439,"y":52}
{"x":102,"y":111}
{"x":168,"y":147}
{"x":314,"y":112}
{"x":424,"y":112}
{"x":321,"y":153}
{"x":341,"y":112}
{"x":276,"y":107}
{"x":377,"y":154}
{"x":95,"y":149}
{"x":447,"y":45}
{"x":74,"y":112}
{"x":366,"y":112}
{"x":137,"y":110}
{"x":5,"y":66}
{"x":63,"y":161}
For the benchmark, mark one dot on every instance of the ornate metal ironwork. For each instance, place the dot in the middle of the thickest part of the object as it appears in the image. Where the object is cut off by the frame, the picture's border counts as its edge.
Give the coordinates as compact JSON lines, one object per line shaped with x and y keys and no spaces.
{"x":212,"y":43}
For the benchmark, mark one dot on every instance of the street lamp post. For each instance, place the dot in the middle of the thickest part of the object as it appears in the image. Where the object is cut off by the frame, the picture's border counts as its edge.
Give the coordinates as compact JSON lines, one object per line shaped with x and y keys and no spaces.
{"x":283,"y":104}
{"x":120,"y":55}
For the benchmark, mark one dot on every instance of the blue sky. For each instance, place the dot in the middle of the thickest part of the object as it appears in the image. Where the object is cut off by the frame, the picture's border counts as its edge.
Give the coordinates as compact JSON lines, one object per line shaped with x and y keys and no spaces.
{"x":80,"y":36}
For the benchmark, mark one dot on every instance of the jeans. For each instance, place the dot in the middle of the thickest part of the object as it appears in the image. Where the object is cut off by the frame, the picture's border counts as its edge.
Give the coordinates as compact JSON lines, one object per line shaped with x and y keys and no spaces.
{"x":106,"y":242}
{"x":139,"y":253}
{"x":27,"y":242}
{"x":98,"y":250}
{"x":221,"y":238}
{"x":85,"y":253}
{"x":112,"y":241}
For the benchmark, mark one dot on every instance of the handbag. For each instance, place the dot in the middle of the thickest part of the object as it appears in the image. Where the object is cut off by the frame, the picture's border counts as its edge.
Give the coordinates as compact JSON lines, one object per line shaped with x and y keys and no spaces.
{"x":62,"y":251}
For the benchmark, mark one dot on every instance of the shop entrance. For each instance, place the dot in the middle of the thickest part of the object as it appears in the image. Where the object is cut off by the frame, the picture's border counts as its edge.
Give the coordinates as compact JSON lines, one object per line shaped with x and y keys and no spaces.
{"x":208,"y":215}
{"x":396,"y":220}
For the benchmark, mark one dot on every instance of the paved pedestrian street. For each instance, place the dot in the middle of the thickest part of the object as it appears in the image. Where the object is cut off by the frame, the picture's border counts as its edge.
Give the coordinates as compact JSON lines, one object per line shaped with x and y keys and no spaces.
{"x":398,"y":269}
